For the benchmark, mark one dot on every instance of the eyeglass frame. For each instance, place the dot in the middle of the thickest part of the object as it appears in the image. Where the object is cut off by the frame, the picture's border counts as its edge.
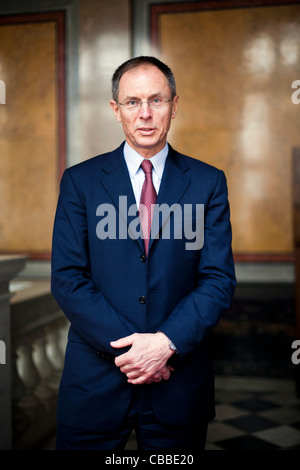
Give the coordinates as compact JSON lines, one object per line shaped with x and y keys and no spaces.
{"x":141,"y":102}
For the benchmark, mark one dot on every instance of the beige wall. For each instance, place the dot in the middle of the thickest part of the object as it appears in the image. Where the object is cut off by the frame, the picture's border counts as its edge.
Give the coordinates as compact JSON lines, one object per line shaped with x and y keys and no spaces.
{"x":104,"y":40}
{"x":28,"y":137}
{"x":104,"y":44}
{"x":235,"y":111}
{"x":29,"y":150}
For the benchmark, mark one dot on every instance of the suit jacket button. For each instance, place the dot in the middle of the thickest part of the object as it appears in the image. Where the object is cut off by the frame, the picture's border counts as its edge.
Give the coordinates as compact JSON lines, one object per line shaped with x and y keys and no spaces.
{"x":143,"y":258}
{"x":142,"y":300}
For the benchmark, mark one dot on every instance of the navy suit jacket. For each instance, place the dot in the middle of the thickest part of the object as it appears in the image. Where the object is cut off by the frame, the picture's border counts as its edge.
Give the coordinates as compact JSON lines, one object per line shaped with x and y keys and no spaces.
{"x":108,"y":290}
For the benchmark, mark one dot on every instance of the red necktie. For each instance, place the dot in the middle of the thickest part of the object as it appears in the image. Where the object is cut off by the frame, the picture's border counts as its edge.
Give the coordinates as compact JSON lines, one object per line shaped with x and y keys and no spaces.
{"x":148,"y":197}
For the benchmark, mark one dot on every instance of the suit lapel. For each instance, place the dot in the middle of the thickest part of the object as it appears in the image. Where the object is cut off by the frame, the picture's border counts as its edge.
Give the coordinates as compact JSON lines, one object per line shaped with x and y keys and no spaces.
{"x":173,"y":185}
{"x":116,"y":181}
{"x":115,"y":177}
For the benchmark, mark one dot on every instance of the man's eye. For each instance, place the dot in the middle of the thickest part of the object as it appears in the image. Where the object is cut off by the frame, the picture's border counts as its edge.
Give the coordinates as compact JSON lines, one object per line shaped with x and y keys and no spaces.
{"x":156,"y":100}
{"x":132,"y":102}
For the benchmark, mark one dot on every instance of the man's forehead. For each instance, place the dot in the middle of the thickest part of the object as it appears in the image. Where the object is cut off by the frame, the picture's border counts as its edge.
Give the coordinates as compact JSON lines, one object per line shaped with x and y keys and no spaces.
{"x":148,"y":79}
{"x":141,"y":71}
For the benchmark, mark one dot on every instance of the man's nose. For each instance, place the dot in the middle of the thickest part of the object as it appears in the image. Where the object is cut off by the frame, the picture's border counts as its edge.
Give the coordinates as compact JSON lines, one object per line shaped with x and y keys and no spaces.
{"x":145,"y":111}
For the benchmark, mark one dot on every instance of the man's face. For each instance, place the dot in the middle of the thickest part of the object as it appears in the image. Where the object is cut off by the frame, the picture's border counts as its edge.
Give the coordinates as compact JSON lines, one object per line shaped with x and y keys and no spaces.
{"x":145,"y":128}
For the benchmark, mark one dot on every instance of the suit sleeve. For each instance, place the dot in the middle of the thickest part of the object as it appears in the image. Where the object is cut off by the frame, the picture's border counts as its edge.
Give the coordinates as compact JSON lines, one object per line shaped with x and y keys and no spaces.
{"x":90,"y":314}
{"x":198,"y":312}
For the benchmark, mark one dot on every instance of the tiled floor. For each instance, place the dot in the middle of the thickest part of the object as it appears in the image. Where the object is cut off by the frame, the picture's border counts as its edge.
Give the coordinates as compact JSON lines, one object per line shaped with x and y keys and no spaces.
{"x":251,"y":414}
{"x":255,"y":414}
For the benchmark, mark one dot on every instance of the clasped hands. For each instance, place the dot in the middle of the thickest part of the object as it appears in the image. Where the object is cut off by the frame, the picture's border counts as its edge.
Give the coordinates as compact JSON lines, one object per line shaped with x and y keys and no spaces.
{"x":146,"y":360}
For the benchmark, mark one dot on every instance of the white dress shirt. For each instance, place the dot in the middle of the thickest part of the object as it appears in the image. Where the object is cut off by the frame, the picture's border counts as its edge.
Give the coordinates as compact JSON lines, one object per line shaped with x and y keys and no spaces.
{"x":137,"y":176}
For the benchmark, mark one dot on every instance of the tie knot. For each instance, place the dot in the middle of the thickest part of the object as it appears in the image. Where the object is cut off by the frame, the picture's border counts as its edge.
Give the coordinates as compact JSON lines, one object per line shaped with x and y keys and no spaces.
{"x":146,"y":166}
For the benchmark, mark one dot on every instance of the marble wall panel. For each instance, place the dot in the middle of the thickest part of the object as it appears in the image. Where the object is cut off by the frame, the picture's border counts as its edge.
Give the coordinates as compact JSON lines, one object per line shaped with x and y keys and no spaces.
{"x":234,"y":71}
{"x":105,"y":43}
{"x":28,"y":137}
{"x":29,"y":146}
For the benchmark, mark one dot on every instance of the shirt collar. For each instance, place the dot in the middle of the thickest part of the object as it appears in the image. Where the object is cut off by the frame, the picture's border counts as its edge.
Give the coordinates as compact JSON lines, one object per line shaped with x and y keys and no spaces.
{"x":134,"y":159}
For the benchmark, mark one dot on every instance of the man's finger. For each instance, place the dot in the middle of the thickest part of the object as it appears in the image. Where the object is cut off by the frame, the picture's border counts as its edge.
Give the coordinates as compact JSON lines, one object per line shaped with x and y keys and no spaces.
{"x":122,"y":342}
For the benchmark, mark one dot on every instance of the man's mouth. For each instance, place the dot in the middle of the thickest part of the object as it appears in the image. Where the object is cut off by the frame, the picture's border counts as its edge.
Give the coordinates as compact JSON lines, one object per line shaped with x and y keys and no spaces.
{"x":146,"y":130}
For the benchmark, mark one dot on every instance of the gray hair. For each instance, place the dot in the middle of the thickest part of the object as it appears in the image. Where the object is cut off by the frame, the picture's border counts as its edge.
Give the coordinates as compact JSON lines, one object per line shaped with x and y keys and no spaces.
{"x":137,"y":62}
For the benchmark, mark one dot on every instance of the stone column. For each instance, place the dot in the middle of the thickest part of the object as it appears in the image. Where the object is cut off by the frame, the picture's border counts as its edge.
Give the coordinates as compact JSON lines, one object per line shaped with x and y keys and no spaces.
{"x":10,"y":266}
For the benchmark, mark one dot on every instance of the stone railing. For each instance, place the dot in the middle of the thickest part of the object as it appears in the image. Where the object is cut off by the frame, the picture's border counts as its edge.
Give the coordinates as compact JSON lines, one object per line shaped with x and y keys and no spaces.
{"x":34,"y":333}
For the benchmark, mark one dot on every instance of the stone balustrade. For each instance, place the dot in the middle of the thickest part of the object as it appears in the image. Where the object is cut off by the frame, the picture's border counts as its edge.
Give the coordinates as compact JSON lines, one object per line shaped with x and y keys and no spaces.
{"x":34,"y":330}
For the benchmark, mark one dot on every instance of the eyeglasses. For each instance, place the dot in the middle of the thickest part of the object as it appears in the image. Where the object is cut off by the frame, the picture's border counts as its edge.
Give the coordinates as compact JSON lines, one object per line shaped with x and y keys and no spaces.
{"x":154,"y":103}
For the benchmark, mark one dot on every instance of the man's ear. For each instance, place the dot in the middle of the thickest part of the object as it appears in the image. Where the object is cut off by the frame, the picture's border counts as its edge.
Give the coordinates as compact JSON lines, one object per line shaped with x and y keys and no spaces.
{"x":116,"y":109}
{"x":174,"y":106}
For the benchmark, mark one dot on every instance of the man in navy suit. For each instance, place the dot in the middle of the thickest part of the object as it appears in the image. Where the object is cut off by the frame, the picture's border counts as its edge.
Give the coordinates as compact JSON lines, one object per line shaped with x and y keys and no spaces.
{"x":141,"y":309}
